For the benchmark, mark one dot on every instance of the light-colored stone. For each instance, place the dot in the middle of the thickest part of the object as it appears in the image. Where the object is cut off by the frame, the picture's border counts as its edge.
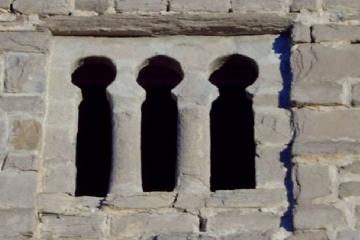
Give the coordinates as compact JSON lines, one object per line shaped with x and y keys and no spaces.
{"x":59,"y":177}
{"x":190,"y":201}
{"x":16,"y":223}
{"x":237,"y":221}
{"x":312,"y":5}
{"x":254,"y":235}
{"x":18,"y":189}
{"x":72,"y":227}
{"x":309,"y":235}
{"x":349,"y":189}
{"x":200,"y":6}
{"x":178,"y":236}
{"x":318,"y":217}
{"x":357,"y":215}
{"x":21,"y":161}
{"x":140,"y":5}
{"x":352,"y":168}
{"x":42,"y":6}
{"x":5,"y":3}
{"x":325,"y":148}
{"x":348,"y":235}
{"x":314,"y":182}
{"x":26,"y":134}
{"x":59,"y":144}
{"x":26,"y":104}
{"x":99,"y":6}
{"x":278,"y":6}
{"x":301,"y":33}
{"x":342,"y":5}
{"x":355,"y":95}
{"x":137,"y":224}
{"x":333,"y":33}
{"x":25,"y":73}
{"x":25,"y":41}
{"x":4,"y":133}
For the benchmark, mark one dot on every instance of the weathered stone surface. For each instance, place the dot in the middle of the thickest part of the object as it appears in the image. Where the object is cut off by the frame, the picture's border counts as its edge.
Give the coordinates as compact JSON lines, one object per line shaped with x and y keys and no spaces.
{"x":272,"y":127}
{"x":21,"y":161}
{"x":317,"y":93}
{"x":59,"y":144}
{"x":99,"y":6}
{"x":24,"y":41}
{"x":301,"y":33}
{"x":248,"y":198}
{"x":349,"y":189}
{"x":279,"y":6}
{"x":325,"y":148}
{"x":190,"y":201}
{"x":141,"y":200}
{"x":314,"y":182}
{"x":342,"y":5}
{"x":145,"y":224}
{"x":352,"y":168}
{"x":298,"y":5}
{"x":348,"y":235}
{"x":318,"y":217}
{"x":309,"y":235}
{"x":254,"y":235}
{"x":62,"y":112}
{"x":42,"y":6}
{"x":332,"y":33}
{"x":3,"y":132}
{"x":237,"y":221}
{"x":140,"y":5}
{"x":357,"y":215}
{"x":182,"y":24}
{"x":25,"y":73}
{"x":59,"y":177}
{"x":72,"y":227}
{"x":27,"y":104}
{"x":310,"y":60}
{"x":26,"y":134}
{"x":18,"y":189}
{"x":269,"y":168}
{"x":200,"y":6}
{"x":5,"y":3}
{"x":319,"y":126}
{"x":355,"y":95}
{"x":15,"y":223}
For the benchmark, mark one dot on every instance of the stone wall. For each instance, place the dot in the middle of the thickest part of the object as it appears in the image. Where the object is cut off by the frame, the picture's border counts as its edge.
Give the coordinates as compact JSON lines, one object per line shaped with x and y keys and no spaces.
{"x":305,"y":104}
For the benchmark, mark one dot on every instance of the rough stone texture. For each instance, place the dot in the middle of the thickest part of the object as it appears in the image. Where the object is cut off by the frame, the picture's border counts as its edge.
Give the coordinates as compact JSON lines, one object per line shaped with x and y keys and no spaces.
{"x":349,"y":189}
{"x":342,"y":5}
{"x":279,"y":6}
{"x":4,"y":132}
{"x":59,"y":177}
{"x":21,"y":161}
{"x":33,"y":105}
{"x":357,"y":215}
{"x":348,"y":235}
{"x":355,"y":95}
{"x":301,"y":33}
{"x":26,"y":134}
{"x":99,"y":6}
{"x":269,"y":168}
{"x":352,"y":168}
{"x":140,"y":5}
{"x":309,"y":235}
{"x":18,"y":189}
{"x":25,"y":73}
{"x":298,"y":5}
{"x":16,"y":223}
{"x":42,"y":6}
{"x":24,"y":41}
{"x":5,"y":3}
{"x":333,"y":33}
{"x":200,"y":6}
{"x":314,"y":182}
{"x":318,"y":217}
{"x":325,"y":148}
{"x":149,"y":224}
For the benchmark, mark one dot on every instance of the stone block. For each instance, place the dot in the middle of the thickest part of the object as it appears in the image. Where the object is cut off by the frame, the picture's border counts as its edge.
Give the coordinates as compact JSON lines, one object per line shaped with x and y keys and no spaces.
{"x":317,"y":93}
{"x":256,"y":235}
{"x":355,"y":95}
{"x":72,"y":227}
{"x":177,"y":236}
{"x":190,"y":201}
{"x":357,"y":215}
{"x":43,"y":6}
{"x":308,"y":62}
{"x":326,"y":148}
{"x":270,"y":171}
{"x":99,"y":6}
{"x":200,"y":6}
{"x":140,"y":5}
{"x":349,"y":189}
{"x":141,"y":200}
{"x":25,"y":41}
{"x":318,"y":217}
{"x":59,"y":177}
{"x":348,"y":235}
{"x":333,"y":33}
{"x":314,"y":182}
{"x":248,"y":198}
{"x":134,"y":225}
{"x":272,"y":127}
{"x":21,"y":161}
{"x":301,"y":33}
{"x":309,"y":235}
{"x":319,"y":125}
{"x":342,"y":5}
{"x":62,"y":113}
{"x":59,"y":144}
{"x":25,"y":134}
{"x":18,"y":189}
{"x":16,"y":223}
{"x":4,"y":132}
{"x":353,"y":168}
{"x":298,"y":5}
{"x":33,"y":105}
{"x":5,"y":4}
{"x":238,"y":221}
{"x":25,"y":73}
{"x":278,"y":6}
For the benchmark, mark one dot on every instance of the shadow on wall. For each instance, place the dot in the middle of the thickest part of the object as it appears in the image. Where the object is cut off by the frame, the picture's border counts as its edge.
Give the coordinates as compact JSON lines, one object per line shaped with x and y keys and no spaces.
{"x":282,"y":46}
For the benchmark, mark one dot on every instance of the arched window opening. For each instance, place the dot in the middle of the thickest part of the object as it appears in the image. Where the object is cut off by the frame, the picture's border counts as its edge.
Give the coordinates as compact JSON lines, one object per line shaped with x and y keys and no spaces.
{"x":94,"y":137}
{"x":159,"y":123}
{"x":232,"y":125}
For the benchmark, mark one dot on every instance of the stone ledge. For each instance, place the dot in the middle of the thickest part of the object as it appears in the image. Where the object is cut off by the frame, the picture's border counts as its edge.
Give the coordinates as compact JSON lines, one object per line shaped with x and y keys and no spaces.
{"x":331,"y":33}
{"x":127,"y":25}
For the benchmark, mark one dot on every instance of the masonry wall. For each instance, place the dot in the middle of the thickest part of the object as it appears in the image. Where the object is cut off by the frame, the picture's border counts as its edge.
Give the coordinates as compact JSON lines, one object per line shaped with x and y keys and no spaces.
{"x":305,"y":106}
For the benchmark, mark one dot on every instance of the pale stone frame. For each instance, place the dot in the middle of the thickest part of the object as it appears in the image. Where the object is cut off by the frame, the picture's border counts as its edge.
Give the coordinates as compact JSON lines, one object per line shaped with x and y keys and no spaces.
{"x":195,"y":95}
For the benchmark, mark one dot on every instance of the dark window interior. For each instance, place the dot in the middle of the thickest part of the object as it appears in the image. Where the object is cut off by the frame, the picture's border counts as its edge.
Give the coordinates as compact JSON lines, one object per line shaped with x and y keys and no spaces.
{"x":232,"y":126}
{"x":94,"y":137}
